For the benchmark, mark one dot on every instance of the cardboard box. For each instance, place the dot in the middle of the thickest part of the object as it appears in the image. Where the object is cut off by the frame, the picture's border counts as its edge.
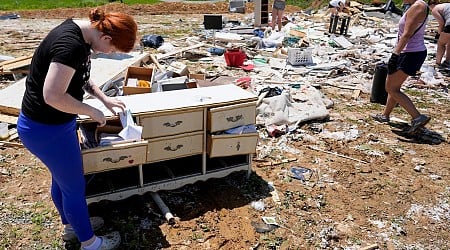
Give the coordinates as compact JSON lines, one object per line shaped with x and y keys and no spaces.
{"x":139,"y":73}
{"x":197,"y":76}
{"x":178,"y":68}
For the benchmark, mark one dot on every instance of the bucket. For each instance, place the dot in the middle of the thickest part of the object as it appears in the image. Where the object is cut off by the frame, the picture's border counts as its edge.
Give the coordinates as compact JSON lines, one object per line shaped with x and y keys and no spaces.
{"x":235,"y":57}
{"x":378,"y":93}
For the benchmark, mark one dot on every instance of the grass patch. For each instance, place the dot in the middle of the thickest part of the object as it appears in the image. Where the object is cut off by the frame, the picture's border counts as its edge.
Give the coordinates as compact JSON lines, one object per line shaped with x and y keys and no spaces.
{"x":48,"y":4}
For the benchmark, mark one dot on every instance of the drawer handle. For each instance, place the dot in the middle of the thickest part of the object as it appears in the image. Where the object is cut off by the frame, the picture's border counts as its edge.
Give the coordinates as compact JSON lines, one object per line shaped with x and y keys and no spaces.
{"x":123,"y":157}
{"x":238,"y":146}
{"x":168,"y":124}
{"x":168,"y":148}
{"x":235,"y":119}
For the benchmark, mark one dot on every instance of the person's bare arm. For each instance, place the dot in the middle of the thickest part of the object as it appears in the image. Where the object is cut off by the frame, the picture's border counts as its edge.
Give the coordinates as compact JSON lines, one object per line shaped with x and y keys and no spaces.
{"x":109,"y":102}
{"x":341,"y":6}
{"x":436,"y":12}
{"x":55,"y":93}
{"x":415,"y":12}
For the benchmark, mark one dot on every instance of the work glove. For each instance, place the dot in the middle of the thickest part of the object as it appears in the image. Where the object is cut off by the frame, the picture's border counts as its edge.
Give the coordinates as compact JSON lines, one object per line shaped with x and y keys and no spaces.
{"x":436,"y":37}
{"x":393,"y":63}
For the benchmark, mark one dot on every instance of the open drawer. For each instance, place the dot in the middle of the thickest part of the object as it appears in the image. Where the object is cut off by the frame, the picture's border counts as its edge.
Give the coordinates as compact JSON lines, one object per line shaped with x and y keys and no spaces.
{"x":116,"y":156}
{"x":230,"y":144}
{"x":231,"y":116}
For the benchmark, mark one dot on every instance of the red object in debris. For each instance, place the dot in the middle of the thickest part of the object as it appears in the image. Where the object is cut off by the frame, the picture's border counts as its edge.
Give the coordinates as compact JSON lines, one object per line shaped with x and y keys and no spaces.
{"x":234,"y":57}
{"x":244,"y":82}
{"x":249,"y":67}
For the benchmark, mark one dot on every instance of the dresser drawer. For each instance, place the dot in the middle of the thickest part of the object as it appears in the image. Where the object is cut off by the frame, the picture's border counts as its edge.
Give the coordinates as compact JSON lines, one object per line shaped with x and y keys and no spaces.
{"x":172,"y":147}
{"x":228,"y":144}
{"x":113,"y":157}
{"x":223,"y":118}
{"x":171,"y":123}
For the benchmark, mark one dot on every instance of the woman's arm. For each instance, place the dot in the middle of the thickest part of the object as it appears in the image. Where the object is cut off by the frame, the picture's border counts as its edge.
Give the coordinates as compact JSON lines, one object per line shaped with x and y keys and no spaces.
{"x":436,"y":12}
{"x":341,"y":6}
{"x":109,"y":102}
{"x":55,"y":93}
{"x":414,"y":13}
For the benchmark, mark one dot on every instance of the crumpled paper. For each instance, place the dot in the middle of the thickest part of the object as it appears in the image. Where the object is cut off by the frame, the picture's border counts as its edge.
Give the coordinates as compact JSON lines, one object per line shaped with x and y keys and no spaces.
{"x":130,"y":130}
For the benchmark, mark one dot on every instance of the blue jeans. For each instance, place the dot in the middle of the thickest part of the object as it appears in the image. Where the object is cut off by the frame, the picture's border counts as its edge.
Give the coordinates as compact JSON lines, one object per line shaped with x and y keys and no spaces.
{"x":58,"y":148}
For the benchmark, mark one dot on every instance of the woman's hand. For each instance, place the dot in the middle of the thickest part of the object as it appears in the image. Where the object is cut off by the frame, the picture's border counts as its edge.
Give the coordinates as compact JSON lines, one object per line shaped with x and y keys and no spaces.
{"x":98,"y":116}
{"x":111,"y":103}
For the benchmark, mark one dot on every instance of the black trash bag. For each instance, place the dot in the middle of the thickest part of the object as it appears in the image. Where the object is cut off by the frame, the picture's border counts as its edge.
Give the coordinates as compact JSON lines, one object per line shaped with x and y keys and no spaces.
{"x":390,"y":6}
{"x":152,"y":41}
{"x":271,"y":91}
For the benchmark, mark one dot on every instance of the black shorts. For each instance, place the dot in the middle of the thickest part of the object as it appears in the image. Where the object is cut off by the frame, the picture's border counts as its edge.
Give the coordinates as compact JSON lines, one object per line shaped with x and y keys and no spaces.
{"x":411,"y":62}
{"x":446,"y":29}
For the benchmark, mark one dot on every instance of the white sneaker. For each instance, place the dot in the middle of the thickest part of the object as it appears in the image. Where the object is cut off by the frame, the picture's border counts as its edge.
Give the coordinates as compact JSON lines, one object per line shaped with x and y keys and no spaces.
{"x":110,"y":241}
{"x":96,"y":223}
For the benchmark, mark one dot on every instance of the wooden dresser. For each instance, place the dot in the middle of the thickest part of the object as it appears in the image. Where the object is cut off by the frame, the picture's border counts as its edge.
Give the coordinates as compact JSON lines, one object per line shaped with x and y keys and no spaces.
{"x":181,"y":142}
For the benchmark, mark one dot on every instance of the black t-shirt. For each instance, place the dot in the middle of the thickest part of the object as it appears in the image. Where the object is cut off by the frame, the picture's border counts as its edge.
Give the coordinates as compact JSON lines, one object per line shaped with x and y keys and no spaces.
{"x":64,"y":44}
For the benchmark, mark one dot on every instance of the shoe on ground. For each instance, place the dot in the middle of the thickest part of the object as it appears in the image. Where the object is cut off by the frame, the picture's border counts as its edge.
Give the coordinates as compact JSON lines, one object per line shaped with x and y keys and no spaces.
{"x":380,"y":118}
{"x":444,"y":66}
{"x":110,"y":241}
{"x":96,"y":223}
{"x":418,"y":123}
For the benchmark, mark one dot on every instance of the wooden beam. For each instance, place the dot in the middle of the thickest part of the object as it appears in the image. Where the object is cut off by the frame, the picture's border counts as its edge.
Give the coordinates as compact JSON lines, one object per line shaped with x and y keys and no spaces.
{"x":161,"y":56}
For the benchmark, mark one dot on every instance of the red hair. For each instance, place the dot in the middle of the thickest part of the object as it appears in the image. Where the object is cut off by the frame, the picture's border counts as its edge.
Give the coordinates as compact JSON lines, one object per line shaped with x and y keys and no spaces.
{"x":120,"y":26}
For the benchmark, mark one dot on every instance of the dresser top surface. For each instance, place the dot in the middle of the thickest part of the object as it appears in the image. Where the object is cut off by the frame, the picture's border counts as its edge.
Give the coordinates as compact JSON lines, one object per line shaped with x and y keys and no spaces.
{"x":179,"y":99}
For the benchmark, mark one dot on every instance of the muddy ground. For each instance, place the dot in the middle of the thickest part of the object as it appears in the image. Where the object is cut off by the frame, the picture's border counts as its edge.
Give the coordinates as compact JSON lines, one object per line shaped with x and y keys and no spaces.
{"x":384,"y":189}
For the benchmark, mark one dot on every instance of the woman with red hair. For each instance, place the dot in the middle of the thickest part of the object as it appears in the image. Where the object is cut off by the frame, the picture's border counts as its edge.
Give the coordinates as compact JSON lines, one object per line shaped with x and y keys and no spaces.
{"x":59,"y":76}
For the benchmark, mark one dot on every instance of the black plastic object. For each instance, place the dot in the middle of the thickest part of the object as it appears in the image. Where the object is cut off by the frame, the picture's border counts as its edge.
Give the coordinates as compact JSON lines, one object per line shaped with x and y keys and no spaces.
{"x":334,"y":22}
{"x":152,"y":41}
{"x":378,"y":93}
{"x":212,"y":22}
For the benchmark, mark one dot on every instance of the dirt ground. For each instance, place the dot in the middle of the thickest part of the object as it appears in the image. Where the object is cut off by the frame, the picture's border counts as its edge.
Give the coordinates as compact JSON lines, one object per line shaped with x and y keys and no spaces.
{"x":382,"y":190}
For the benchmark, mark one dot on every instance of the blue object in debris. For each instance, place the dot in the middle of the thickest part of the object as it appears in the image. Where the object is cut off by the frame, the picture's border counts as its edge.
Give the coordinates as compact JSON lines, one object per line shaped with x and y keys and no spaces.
{"x":258,"y":33}
{"x":298,"y":172}
{"x":216,"y":51}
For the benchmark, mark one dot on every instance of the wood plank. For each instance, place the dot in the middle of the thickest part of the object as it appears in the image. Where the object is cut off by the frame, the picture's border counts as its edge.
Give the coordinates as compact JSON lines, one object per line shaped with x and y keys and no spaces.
{"x":104,"y":68}
{"x":161,"y":56}
{"x":8,"y":119}
{"x":18,"y":59}
{"x":9,"y":68}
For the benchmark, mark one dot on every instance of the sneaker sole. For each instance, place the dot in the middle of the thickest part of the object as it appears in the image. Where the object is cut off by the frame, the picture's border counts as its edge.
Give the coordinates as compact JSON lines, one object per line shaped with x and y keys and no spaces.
{"x":412,"y":131}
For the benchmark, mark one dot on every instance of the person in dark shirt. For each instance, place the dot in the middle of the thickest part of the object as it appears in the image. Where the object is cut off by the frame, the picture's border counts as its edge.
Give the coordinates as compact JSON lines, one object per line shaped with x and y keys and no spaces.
{"x":59,"y":76}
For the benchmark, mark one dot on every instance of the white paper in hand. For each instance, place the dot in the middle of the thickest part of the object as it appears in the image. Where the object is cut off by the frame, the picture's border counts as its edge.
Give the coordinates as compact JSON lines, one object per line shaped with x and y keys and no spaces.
{"x":130,"y":130}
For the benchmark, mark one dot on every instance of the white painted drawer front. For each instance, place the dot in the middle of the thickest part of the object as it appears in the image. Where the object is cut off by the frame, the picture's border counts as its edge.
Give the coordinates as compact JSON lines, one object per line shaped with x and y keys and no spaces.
{"x":172,"y":147}
{"x":113,"y":157}
{"x":227,"y":145}
{"x":171,"y":123}
{"x":223,"y":118}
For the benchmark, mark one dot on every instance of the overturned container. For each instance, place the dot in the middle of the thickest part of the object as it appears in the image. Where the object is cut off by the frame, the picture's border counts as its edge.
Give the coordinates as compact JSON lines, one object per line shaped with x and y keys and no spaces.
{"x":378,"y":93}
